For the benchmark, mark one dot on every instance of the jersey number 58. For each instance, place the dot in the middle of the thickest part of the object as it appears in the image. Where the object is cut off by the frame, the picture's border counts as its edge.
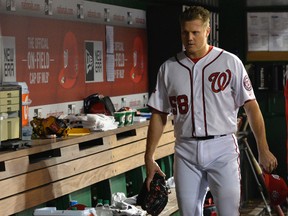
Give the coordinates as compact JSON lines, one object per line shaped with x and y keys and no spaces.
{"x":179,"y":103}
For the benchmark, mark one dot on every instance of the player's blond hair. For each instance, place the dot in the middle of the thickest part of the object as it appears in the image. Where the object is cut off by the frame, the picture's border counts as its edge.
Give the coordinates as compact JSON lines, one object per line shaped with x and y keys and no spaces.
{"x":195,"y":12}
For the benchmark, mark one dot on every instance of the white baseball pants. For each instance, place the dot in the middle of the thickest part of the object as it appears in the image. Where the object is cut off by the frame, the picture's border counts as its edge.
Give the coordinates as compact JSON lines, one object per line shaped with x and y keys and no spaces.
{"x":209,"y":164}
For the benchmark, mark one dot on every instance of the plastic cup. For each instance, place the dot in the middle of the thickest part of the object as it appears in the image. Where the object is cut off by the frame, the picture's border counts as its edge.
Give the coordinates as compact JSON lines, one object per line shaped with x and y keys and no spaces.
{"x":129,"y":117}
{"x":120,"y":118}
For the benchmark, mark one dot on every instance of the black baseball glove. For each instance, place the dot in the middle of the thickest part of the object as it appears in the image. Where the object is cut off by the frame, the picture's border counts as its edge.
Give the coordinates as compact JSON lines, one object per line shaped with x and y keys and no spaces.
{"x":155,"y":200}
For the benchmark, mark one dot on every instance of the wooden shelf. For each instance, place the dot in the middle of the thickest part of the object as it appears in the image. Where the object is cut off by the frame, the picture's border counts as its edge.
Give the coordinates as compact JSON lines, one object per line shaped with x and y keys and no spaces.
{"x":267,"y":56}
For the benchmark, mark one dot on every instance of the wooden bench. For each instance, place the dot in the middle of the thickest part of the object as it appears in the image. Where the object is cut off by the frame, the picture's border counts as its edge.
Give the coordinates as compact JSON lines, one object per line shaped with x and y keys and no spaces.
{"x":52,"y":168}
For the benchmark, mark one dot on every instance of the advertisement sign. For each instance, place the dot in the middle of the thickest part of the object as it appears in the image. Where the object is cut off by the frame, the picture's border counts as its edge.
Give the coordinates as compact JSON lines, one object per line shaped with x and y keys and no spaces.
{"x":59,"y":48}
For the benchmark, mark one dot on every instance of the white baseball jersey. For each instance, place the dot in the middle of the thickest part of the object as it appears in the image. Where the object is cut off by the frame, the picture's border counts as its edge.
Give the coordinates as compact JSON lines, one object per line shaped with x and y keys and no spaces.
{"x":204,"y":97}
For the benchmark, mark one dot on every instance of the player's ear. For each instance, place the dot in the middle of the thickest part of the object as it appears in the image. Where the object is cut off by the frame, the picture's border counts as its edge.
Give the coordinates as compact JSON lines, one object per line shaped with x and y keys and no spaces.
{"x":208,"y":30}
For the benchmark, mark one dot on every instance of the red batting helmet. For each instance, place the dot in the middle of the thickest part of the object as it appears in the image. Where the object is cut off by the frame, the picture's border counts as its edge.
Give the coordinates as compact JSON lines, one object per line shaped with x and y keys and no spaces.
{"x":277,"y":188}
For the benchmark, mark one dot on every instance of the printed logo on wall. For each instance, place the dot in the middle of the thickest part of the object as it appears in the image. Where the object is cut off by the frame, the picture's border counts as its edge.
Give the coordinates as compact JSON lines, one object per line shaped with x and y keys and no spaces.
{"x":94,"y":61}
{"x":8,"y":53}
{"x":68,"y":75}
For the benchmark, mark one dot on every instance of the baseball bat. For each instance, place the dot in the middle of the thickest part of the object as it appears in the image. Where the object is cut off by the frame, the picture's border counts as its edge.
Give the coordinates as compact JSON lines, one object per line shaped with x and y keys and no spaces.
{"x":259,"y":173}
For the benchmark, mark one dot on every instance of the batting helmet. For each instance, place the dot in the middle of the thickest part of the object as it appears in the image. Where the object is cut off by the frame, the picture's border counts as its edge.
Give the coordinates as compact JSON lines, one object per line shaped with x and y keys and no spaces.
{"x":277,"y":188}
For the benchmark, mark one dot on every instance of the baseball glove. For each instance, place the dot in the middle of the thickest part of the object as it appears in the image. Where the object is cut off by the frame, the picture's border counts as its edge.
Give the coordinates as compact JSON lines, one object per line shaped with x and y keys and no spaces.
{"x":155,"y":200}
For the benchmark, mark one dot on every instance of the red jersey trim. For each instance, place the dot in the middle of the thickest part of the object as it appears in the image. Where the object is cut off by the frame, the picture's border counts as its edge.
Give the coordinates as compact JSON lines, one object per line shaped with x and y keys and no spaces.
{"x":203,"y":90}
{"x":192,"y":101}
{"x":195,"y":60}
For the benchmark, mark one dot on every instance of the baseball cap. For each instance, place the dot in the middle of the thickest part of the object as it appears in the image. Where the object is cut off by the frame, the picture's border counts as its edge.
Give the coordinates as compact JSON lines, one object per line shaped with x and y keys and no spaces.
{"x":277,"y":188}
{"x":137,"y":71}
{"x":68,"y":75}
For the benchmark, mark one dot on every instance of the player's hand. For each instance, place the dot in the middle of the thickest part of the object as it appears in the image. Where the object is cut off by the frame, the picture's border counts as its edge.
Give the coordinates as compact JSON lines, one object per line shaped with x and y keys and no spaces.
{"x":151,"y":168}
{"x":267,"y":161}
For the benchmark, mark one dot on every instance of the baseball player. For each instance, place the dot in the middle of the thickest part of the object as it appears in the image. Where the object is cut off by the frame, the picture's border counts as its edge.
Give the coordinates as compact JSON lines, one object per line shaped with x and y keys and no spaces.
{"x":203,"y":87}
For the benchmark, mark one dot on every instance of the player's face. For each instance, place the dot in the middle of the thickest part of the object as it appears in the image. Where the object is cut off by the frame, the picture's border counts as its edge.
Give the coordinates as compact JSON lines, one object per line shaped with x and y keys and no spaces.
{"x":194,"y":38}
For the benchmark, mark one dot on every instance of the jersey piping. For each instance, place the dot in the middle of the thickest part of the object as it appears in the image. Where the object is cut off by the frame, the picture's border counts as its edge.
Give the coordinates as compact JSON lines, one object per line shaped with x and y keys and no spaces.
{"x":192,"y":101}
{"x":203,"y":93}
